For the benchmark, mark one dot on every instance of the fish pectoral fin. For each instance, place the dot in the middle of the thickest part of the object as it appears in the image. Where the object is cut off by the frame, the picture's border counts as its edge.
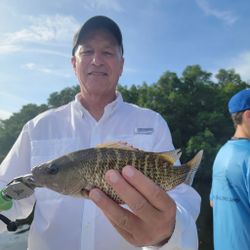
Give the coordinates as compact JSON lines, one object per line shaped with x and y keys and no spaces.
{"x":194,"y":165}
{"x":85,"y":191}
{"x":117,"y":144}
{"x":171,"y":156}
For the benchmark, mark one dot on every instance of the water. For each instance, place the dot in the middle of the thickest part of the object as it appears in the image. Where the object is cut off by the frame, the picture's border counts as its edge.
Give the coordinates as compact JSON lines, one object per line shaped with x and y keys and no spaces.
{"x":13,"y":241}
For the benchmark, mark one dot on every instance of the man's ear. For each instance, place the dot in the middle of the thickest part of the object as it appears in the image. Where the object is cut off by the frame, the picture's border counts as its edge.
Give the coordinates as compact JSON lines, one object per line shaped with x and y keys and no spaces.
{"x":122,"y":65}
{"x":247,"y":114}
{"x":73,"y":62}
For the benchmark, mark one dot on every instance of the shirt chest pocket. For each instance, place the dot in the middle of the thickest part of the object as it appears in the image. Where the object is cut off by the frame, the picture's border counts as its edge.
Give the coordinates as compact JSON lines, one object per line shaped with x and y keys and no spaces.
{"x":45,"y":150}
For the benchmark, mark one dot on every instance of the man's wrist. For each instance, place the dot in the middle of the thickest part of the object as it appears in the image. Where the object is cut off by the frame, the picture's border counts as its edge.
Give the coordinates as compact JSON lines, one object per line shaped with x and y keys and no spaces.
{"x":164,"y":241}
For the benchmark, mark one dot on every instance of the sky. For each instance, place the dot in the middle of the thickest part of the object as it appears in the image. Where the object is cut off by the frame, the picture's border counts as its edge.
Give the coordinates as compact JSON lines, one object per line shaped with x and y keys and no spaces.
{"x":158,"y":36}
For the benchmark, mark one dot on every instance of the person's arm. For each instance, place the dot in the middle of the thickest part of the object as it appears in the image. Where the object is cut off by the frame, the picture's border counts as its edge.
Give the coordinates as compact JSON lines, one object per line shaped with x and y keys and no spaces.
{"x":186,"y":198}
{"x":185,"y":235}
{"x":157,"y":218}
{"x":17,"y":163}
{"x":152,"y":216}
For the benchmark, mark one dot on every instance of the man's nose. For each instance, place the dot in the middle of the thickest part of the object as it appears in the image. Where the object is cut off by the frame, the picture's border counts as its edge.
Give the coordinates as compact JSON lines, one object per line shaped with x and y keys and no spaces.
{"x":97,"y":59}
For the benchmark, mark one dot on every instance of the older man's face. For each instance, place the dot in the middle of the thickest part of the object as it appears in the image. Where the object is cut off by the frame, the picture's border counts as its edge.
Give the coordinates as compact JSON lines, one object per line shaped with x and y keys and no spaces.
{"x":98,"y":64}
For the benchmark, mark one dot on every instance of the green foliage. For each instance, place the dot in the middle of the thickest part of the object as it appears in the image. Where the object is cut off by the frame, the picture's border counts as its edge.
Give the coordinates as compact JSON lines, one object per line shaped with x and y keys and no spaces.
{"x":225,"y":77}
{"x":129,"y":94}
{"x":57,"y":99}
{"x":10,"y":128}
{"x":195,"y":107}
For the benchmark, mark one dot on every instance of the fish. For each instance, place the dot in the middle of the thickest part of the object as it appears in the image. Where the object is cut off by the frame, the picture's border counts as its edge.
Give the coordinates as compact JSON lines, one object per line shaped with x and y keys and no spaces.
{"x":76,"y":173}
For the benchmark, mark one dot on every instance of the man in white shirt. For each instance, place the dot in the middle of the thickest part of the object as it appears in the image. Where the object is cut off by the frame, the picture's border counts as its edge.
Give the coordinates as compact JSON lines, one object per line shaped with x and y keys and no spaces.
{"x":151,"y":218}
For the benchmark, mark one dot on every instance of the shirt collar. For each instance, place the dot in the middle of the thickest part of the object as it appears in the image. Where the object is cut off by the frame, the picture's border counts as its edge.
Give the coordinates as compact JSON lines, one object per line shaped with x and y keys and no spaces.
{"x":109,"y":108}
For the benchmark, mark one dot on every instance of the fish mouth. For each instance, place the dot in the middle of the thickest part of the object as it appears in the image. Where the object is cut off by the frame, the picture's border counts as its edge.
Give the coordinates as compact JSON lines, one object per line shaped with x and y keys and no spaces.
{"x":36,"y":178}
{"x":36,"y":181}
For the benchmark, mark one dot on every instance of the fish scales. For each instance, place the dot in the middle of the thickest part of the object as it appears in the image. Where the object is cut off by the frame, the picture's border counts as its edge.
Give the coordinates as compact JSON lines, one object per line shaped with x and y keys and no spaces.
{"x":151,"y":165}
{"x":78,"y":172}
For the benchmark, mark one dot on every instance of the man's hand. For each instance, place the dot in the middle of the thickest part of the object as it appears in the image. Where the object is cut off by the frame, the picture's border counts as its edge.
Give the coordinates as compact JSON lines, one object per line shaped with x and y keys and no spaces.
{"x":151,"y":220}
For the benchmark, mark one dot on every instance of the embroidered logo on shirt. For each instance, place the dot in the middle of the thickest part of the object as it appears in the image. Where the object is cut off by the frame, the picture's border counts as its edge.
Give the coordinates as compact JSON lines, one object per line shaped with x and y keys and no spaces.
{"x":144,"y":131}
{"x":224,"y":198}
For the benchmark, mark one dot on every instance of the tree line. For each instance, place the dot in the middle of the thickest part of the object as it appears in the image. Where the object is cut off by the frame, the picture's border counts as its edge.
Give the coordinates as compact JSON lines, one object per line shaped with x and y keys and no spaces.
{"x":195,"y":107}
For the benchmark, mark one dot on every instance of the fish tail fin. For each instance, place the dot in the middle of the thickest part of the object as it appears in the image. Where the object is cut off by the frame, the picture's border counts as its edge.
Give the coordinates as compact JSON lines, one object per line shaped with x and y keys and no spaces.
{"x":194,"y":165}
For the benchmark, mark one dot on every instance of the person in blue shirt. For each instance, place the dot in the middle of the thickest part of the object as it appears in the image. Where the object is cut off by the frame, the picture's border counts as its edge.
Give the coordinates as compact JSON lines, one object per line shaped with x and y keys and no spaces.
{"x":230,"y":193}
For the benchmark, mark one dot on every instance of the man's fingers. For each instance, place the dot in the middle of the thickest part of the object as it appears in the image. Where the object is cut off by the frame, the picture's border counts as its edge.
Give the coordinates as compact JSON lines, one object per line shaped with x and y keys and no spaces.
{"x":122,"y":218}
{"x":125,"y":234}
{"x":134,"y":199}
{"x":146,"y":224}
{"x":152,"y":192}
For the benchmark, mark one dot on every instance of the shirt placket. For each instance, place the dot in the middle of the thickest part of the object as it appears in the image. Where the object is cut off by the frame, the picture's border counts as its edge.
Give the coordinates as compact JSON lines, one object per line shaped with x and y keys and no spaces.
{"x":89,"y":211}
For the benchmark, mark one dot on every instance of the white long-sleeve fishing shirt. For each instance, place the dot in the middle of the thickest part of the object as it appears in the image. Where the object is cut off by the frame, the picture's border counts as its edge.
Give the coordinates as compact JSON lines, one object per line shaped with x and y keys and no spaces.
{"x":66,"y":223}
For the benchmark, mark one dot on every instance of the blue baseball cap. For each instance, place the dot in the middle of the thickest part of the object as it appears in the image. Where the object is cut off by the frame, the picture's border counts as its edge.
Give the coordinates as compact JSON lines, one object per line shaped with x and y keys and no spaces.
{"x":240,"y":101}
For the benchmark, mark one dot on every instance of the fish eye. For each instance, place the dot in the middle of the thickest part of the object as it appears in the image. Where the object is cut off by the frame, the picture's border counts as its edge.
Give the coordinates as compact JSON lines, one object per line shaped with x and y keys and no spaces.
{"x":53,"y":169}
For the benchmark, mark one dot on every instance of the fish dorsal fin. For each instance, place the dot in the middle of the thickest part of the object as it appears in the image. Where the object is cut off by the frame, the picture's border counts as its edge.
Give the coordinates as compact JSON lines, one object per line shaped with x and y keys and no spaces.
{"x":171,"y":156}
{"x":117,"y":144}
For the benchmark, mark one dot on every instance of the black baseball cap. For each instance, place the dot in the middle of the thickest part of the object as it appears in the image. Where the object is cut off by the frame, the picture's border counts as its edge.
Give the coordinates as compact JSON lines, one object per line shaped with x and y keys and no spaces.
{"x":95,"y":23}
